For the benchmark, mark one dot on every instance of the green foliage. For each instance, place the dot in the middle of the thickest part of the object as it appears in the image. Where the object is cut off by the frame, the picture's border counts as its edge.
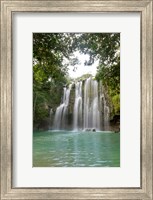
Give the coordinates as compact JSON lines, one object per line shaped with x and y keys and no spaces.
{"x":116,"y":103}
{"x":111,"y":80}
{"x":41,"y":104}
{"x":101,"y":46}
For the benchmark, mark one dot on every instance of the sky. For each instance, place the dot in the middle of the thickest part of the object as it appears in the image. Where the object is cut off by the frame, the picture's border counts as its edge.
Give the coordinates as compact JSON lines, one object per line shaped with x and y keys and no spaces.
{"x":81,"y":68}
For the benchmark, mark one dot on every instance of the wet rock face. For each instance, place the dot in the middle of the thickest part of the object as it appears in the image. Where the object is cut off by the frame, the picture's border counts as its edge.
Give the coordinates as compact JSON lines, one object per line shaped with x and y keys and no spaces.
{"x":115,"y":123}
{"x":42,"y":125}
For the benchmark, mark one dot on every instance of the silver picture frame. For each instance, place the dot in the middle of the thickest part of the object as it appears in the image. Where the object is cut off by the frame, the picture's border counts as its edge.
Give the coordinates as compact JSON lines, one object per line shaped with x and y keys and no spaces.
{"x":145,"y":8}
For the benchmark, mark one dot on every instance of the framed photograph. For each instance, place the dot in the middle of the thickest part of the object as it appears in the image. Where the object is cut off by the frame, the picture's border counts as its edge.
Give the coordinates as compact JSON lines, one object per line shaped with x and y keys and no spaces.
{"x":76,"y":99}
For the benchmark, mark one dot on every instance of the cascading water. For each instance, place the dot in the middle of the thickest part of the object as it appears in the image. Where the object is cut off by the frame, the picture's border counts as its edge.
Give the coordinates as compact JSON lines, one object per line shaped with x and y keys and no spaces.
{"x":77,"y":113}
{"x":91,"y":105}
{"x":61,"y":111}
{"x":90,"y":109}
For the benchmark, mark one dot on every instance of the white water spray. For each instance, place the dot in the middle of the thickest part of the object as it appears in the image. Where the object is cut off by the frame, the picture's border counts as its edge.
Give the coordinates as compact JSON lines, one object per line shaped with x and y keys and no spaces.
{"x":77,"y":112}
{"x":61,"y":111}
{"x":91,"y":105}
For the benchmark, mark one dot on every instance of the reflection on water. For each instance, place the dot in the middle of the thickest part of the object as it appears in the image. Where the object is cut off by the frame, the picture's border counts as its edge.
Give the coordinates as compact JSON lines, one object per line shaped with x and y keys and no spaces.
{"x":76,"y":149}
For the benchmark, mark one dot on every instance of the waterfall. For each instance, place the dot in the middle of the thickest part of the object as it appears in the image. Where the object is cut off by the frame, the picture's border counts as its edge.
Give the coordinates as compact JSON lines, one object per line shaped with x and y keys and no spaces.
{"x":77,"y":113}
{"x":89,"y":109}
{"x":91,"y":105}
{"x":61,"y":111}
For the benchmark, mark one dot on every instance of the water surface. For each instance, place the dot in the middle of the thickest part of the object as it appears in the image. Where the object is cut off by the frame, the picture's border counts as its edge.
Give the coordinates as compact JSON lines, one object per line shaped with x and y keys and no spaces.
{"x":76,"y":149}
